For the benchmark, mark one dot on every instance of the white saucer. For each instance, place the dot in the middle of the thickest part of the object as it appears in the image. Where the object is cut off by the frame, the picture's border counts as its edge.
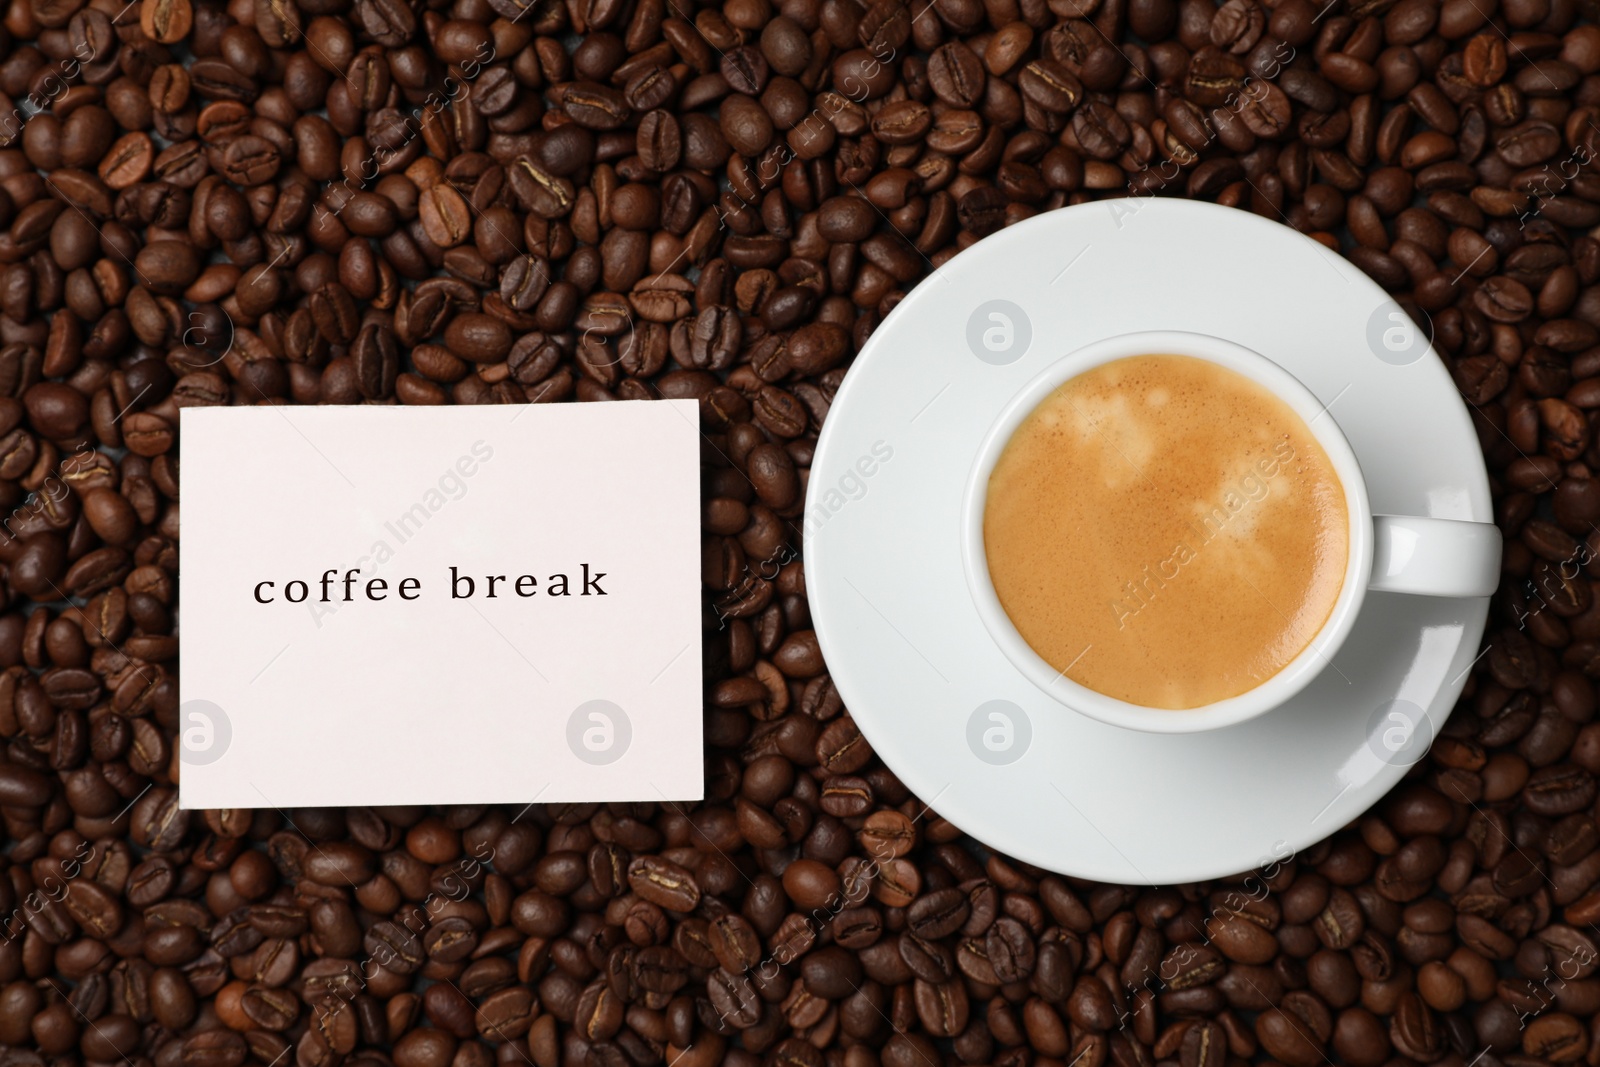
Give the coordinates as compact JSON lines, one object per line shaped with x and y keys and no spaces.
{"x":927,"y":685}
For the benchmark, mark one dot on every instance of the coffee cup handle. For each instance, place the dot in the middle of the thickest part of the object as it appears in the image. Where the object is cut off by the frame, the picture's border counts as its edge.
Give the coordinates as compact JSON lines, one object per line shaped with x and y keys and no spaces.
{"x":1434,"y":557}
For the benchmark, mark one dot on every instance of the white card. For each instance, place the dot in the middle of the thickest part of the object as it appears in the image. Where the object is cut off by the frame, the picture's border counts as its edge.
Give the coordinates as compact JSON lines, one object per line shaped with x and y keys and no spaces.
{"x":365,"y":673}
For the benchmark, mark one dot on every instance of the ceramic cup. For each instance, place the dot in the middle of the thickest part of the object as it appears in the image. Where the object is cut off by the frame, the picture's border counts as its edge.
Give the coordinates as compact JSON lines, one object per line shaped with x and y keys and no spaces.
{"x":1387,"y":553}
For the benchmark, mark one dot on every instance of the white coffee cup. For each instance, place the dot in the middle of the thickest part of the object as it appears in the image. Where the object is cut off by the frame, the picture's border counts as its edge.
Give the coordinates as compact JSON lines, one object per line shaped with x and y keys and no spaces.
{"x":1387,"y":553}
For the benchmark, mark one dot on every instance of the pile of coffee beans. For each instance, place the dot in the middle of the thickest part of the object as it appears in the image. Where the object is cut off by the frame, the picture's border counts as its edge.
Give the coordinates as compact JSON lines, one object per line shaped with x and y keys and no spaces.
{"x":515,"y":201}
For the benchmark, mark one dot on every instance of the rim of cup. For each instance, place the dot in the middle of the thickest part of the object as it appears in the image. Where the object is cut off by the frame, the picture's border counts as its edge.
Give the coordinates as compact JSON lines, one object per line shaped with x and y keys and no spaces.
{"x":1295,"y":675}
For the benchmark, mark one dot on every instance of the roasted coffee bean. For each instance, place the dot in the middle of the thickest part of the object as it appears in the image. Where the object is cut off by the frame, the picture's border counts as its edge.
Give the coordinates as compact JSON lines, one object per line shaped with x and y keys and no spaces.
{"x":377,"y":361}
{"x":1213,"y":79}
{"x":478,"y":337}
{"x":166,"y":21}
{"x":663,"y":883}
{"x":939,"y":914}
{"x":955,"y":74}
{"x":445,"y":215}
{"x":595,"y":107}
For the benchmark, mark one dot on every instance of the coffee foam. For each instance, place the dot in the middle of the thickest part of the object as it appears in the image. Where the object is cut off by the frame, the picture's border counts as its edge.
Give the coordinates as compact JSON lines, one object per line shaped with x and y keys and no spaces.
{"x":1166,"y":531}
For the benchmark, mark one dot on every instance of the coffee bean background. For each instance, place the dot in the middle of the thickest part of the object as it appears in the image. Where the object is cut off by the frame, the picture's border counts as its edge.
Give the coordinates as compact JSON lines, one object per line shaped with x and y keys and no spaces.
{"x":504,"y":201}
